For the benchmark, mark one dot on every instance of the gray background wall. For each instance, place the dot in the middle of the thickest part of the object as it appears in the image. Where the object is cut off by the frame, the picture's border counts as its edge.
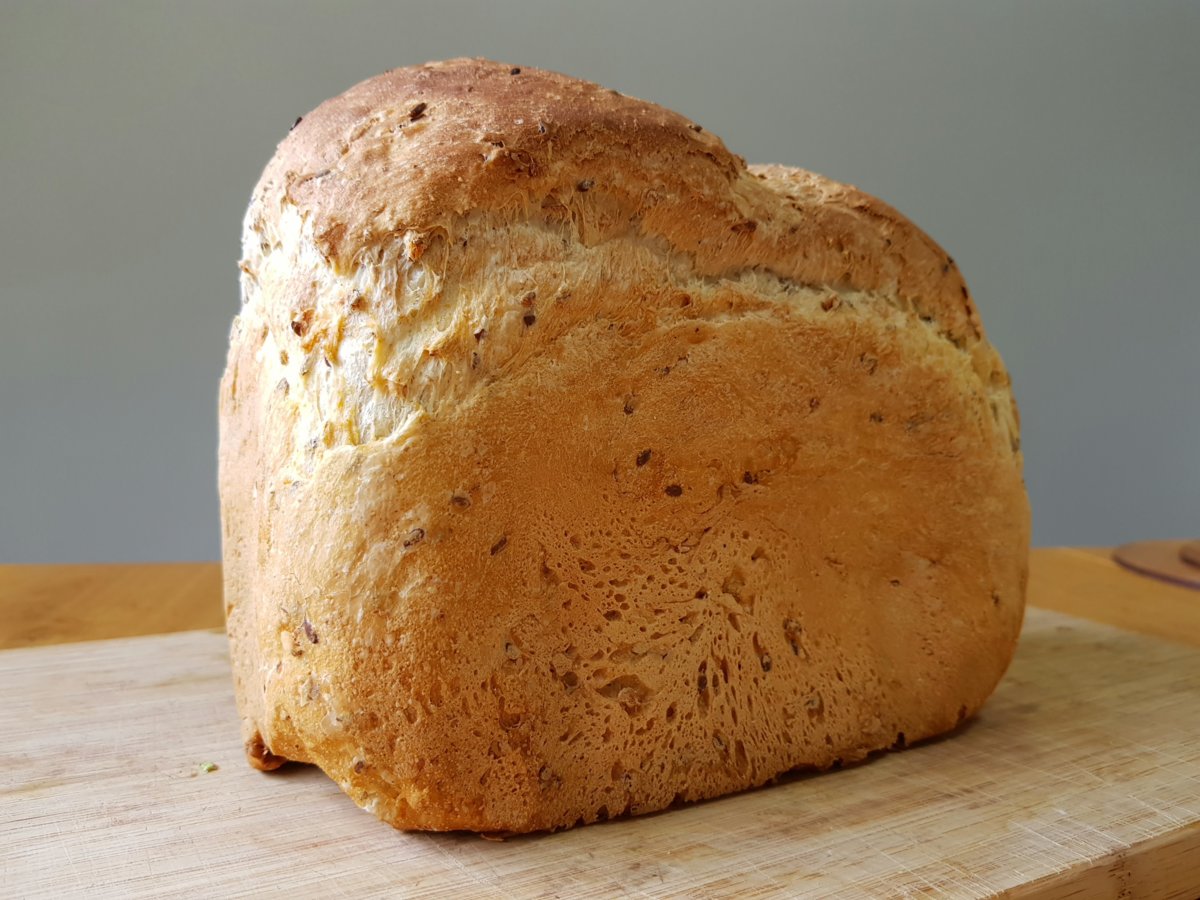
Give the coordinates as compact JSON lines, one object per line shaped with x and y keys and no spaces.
{"x":1054,"y":149}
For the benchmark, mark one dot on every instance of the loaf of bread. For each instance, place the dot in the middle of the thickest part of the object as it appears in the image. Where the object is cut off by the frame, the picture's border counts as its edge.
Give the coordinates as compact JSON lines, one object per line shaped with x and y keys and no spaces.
{"x":571,"y":468}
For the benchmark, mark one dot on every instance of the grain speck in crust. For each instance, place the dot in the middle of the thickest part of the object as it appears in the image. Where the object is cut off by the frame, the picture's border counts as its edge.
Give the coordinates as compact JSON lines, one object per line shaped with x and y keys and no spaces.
{"x":570,"y":467}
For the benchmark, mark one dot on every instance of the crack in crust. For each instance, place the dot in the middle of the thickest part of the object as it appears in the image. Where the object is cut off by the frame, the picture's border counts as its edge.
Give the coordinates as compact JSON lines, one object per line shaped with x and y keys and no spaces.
{"x":421,"y":333}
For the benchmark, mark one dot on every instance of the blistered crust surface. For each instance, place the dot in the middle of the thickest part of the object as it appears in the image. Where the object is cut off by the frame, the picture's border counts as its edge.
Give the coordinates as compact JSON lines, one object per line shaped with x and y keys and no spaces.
{"x":570,"y":467}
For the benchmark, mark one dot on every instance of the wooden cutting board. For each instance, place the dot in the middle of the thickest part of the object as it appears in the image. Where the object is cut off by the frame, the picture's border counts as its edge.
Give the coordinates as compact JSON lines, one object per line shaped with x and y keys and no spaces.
{"x":1090,"y":746}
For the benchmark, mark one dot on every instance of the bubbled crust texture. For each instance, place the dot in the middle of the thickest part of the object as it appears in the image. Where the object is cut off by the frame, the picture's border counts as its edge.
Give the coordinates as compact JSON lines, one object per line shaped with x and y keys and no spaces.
{"x":570,"y":467}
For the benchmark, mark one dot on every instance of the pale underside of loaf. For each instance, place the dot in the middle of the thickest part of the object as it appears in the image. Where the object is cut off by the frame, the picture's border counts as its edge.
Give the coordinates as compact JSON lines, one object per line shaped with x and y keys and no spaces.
{"x":570,"y":467}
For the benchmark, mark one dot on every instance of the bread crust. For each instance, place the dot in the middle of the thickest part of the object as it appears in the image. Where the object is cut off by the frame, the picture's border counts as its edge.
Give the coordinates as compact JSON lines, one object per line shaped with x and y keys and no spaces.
{"x":570,"y":467}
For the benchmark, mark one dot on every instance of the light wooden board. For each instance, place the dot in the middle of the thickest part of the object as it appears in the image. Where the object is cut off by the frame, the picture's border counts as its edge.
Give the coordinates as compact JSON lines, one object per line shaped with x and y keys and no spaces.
{"x":1088,"y":583}
{"x":1088,"y":754}
{"x":53,"y":604}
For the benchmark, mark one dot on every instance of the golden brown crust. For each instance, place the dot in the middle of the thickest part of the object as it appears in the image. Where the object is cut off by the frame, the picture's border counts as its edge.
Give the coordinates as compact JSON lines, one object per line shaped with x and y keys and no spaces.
{"x":570,"y":467}
{"x":417,"y":149}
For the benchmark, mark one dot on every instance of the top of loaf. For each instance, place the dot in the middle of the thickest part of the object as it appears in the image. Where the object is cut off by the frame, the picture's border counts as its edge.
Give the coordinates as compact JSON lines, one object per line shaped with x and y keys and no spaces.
{"x":412,"y":155}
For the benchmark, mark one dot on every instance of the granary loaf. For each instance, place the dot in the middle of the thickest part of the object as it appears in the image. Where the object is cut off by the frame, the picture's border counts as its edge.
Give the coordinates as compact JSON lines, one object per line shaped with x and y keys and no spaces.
{"x":571,"y":467}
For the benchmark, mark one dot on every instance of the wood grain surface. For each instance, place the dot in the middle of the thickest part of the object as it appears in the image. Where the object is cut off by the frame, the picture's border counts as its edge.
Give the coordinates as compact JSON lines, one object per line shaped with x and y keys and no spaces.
{"x":1088,"y":583}
{"x":1081,"y":778}
{"x":54,"y":604}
